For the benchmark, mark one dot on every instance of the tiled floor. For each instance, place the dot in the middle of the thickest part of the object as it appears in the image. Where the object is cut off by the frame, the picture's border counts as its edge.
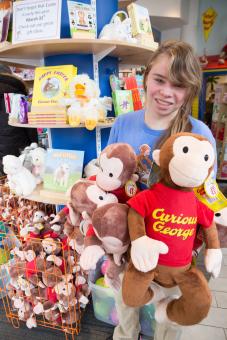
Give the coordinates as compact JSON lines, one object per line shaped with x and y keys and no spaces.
{"x":214,"y":327}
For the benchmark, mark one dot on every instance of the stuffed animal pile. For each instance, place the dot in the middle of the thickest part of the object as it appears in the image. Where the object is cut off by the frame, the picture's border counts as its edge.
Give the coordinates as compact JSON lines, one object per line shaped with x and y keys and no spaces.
{"x":45,"y":275}
{"x":49,"y":273}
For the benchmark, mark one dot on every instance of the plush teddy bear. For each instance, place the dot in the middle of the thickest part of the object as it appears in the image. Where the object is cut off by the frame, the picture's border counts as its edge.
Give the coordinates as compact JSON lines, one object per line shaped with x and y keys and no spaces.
{"x":162,"y":226}
{"x":21,"y":181}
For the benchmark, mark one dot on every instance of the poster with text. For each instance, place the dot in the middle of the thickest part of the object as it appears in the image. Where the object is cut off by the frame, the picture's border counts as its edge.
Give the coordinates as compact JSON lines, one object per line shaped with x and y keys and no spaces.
{"x":36,"y":20}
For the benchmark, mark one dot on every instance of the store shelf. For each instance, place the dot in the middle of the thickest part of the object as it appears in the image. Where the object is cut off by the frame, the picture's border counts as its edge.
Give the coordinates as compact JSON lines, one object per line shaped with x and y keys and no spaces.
{"x":47,"y":197}
{"x":106,"y":124}
{"x":35,"y":51}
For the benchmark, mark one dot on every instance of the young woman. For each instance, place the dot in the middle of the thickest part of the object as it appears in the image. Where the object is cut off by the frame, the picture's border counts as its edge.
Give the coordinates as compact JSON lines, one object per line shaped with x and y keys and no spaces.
{"x":171,"y":81}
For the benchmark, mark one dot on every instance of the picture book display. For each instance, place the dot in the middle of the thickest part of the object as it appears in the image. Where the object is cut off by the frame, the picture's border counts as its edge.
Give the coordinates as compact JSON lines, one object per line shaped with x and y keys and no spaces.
{"x":82,"y":20}
{"x":62,"y":169}
{"x":50,"y":85}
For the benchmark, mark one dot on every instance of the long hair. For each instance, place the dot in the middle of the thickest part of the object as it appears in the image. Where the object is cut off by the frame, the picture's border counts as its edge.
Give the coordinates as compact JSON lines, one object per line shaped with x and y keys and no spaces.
{"x":185,"y":71}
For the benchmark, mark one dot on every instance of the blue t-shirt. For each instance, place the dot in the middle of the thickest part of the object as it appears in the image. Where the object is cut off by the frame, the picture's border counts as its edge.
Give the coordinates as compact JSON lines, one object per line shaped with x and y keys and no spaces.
{"x":131,"y":128}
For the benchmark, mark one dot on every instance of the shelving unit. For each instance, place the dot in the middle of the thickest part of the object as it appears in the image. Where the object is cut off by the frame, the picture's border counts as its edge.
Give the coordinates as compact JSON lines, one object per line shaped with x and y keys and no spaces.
{"x":47,"y":197}
{"x":33,"y":53}
{"x":98,"y":58}
{"x":106,"y":124}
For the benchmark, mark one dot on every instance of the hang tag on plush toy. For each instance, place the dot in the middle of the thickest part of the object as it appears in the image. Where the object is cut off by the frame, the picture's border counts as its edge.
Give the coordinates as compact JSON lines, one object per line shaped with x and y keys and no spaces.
{"x":211,"y":187}
{"x":210,"y":194}
{"x":130,"y":188}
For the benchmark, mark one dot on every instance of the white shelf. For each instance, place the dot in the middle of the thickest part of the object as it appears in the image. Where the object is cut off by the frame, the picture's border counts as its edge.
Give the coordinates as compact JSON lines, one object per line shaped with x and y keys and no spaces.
{"x":47,"y":197}
{"x":33,"y":52}
{"x":106,"y":124}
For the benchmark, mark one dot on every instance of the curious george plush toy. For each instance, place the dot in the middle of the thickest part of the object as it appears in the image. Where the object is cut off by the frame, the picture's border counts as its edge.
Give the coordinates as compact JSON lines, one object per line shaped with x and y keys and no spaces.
{"x":162,"y":226}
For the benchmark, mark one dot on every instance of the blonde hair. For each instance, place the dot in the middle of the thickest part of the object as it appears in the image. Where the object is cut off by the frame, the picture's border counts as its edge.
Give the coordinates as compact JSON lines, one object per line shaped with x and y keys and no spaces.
{"x":185,"y":71}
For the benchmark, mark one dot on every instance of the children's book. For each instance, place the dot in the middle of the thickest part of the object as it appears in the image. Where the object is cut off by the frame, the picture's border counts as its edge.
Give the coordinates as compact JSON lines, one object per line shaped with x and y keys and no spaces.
{"x":122,"y":100}
{"x":50,"y":85}
{"x":140,"y":19}
{"x":82,"y":20}
{"x":62,"y":169}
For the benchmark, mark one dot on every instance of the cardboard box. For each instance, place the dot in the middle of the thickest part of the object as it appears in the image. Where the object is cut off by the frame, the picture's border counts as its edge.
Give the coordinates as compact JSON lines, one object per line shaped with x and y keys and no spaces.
{"x":50,"y":85}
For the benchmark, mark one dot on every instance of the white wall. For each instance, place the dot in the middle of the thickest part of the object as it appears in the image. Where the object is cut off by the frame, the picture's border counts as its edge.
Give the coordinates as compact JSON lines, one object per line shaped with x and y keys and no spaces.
{"x":174,"y":33}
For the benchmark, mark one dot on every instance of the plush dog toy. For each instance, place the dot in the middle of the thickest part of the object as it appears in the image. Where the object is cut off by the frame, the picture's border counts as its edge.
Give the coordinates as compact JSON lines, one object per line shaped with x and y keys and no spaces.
{"x":162,"y":226}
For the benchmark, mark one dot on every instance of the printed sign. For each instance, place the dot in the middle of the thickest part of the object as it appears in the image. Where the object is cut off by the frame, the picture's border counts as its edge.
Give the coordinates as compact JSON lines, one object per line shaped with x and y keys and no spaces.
{"x":36,"y":20}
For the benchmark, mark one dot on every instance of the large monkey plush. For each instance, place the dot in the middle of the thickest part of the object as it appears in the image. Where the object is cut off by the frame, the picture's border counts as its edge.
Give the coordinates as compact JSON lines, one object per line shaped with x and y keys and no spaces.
{"x":162,"y":226}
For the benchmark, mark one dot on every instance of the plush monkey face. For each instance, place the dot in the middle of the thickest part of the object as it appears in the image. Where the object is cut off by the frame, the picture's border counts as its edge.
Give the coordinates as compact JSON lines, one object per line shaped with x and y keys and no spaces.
{"x":87,"y":196}
{"x":185,"y":159}
{"x":110,"y":223}
{"x":39,"y":216}
{"x":117,"y":165}
{"x":50,"y":246}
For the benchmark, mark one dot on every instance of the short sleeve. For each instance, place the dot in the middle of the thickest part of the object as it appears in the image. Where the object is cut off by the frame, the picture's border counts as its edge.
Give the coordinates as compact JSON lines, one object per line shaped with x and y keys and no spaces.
{"x":142,"y":202}
{"x":113,"y":137}
{"x":205,"y":215}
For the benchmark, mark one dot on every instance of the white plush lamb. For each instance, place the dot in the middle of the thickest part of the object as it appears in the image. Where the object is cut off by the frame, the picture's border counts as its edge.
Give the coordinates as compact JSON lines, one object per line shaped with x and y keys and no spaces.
{"x":38,"y":163}
{"x":21,"y":180}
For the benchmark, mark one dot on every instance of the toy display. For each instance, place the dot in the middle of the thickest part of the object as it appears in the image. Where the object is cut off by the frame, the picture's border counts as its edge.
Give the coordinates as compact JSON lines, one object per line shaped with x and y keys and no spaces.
{"x":161,"y":250}
{"x":84,"y":104}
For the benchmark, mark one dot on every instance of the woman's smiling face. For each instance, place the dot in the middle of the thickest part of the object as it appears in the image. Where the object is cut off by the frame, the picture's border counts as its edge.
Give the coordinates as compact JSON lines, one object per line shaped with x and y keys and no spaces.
{"x":163,"y":98}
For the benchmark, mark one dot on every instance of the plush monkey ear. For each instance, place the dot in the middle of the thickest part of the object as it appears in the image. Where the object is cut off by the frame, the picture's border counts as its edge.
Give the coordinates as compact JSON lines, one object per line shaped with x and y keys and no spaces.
{"x":156,"y":156}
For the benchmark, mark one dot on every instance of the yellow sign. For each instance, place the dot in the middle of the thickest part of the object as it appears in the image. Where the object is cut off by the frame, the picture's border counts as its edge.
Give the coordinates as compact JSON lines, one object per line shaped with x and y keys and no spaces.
{"x":208,"y":20}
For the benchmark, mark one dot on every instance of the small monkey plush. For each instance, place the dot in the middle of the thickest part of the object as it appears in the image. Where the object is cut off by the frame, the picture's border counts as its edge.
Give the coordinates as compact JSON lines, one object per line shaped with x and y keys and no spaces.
{"x":162,"y":226}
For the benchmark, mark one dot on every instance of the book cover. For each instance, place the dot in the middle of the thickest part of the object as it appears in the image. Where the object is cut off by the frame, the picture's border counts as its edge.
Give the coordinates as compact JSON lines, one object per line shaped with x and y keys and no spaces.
{"x":62,"y":169}
{"x":140,"y":19}
{"x":82,"y":20}
{"x":122,"y":100}
{"x":50,"y":85}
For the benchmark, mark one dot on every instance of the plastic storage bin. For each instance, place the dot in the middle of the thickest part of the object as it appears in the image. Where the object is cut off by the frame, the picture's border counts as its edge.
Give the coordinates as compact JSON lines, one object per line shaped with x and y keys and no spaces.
{"x":104,"y":305}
